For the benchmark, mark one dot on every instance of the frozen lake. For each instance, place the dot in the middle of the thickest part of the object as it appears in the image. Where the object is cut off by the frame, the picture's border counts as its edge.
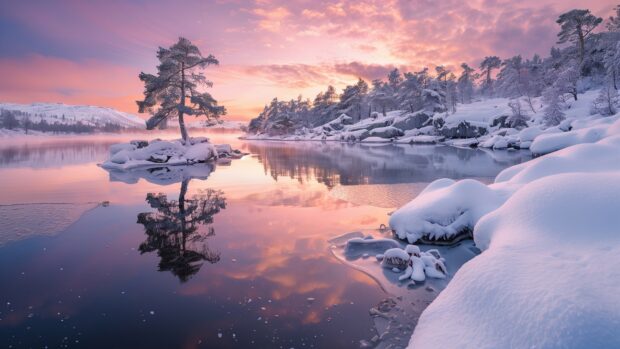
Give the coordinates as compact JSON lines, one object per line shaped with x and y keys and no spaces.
{"x":237,"y":256}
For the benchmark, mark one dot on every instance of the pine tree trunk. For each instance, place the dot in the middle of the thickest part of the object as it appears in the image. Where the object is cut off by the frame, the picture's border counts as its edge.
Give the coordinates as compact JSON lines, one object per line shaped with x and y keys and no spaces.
{"x":184,"y":134}
{"x":581,"y":45}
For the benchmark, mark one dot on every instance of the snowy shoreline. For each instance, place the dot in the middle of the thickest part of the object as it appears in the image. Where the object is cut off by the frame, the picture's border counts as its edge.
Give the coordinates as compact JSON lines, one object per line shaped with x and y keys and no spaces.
{"x":479,"y":124}
{"x":548,"y":233}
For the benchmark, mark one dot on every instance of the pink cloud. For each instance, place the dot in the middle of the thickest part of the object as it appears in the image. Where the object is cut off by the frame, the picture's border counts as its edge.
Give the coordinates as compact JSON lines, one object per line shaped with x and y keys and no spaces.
{"x":267,"y":48}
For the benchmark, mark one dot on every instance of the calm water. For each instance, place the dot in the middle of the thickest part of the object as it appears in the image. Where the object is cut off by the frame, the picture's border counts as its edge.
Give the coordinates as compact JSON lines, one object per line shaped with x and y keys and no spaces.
{"x":227,"y":255}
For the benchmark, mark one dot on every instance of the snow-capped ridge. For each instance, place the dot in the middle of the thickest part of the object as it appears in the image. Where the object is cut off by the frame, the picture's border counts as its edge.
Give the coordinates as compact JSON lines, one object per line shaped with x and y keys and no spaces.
{"x":69,"y":114}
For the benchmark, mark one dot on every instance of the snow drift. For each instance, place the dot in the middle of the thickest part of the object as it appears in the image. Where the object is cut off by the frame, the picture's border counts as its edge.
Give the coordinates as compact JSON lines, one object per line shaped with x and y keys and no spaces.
{"x":447,"y":209}
{"x":548,"y":274}
{"x":548,"y":229}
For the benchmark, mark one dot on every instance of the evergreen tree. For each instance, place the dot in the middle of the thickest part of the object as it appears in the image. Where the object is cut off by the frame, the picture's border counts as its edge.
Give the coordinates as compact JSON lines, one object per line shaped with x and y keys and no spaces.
{"x":173,"y":92}
{"x":9,"y":121}
{"x":487,"y":66}
{"x":613,"y":24}
{"x":465,"y":84}
{"x":352,"y":99}
{"x":394,"y":79}
{"x":576,"y":26}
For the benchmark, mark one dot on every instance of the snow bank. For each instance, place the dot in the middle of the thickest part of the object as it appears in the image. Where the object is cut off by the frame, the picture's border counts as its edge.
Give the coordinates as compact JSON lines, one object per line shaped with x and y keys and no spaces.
{"x":482,"y":124}
{"x":548,"y":277}
{"x":548,"y":228}
{"x":136,"y":154}
{"x":602,"y":128}
{"x":445,"y":210}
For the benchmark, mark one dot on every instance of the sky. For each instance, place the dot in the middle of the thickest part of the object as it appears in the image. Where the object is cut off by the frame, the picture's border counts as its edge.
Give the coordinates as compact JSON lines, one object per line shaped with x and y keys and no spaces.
{"x":91,"y":52}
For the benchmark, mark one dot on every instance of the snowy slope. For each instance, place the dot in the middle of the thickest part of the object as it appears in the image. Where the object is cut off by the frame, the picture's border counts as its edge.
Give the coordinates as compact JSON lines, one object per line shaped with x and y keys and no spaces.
{"x":90,"y":115}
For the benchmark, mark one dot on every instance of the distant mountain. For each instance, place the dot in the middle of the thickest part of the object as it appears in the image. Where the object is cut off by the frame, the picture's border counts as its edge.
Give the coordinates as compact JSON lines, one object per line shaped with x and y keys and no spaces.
{"x":64,"y":114}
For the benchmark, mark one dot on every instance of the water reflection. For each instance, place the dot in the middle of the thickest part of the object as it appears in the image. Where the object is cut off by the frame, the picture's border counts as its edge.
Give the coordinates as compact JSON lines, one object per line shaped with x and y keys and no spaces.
{"x":163,"y":175}
{"x":275,"y":284}
{"x":353,"y":164}
{"x":52,"y":153}
{"x":173,"y":229}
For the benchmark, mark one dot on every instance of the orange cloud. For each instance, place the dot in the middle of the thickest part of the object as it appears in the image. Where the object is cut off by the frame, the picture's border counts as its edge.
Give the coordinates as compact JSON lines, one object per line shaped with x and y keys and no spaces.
{"x":48,"y":79}
{"x":268,"y":48}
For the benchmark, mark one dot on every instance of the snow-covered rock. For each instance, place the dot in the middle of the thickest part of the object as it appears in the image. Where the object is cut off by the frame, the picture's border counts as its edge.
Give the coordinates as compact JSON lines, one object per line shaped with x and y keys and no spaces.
{"x":126,"y":156}
{"x":386,"y":132}
{"x":483,"y":123}
{"x":412,"y":121}
{"x":463,"y":129}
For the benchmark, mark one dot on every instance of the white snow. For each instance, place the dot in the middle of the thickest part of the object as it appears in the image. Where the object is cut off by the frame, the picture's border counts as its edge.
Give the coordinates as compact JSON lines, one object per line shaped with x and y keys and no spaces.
{"x":87,"y":114}
{"x":548,"y":276}
{"x":410,"y":261}
{"x":479,"y":114}
{"x":549,"y":231}
{"x":126,"y":156}
{"x":445,"y":209}
{"x":594,"y":131}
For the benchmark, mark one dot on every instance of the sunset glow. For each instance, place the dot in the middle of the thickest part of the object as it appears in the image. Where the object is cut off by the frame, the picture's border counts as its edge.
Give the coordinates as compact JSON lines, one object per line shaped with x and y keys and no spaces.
{"x":91,"y":52}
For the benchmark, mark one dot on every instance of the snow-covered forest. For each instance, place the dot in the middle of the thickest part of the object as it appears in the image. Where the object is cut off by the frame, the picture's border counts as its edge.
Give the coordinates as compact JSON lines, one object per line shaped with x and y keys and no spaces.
{"x":498,"y":97}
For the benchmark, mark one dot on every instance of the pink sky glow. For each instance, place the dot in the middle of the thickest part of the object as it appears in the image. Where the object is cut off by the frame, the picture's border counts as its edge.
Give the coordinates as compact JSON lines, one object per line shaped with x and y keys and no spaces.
{"x":91,"y":52}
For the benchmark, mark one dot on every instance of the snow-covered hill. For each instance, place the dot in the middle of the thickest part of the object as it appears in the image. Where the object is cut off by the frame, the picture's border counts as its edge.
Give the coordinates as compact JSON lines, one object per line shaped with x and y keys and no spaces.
{"x":71,"y":114}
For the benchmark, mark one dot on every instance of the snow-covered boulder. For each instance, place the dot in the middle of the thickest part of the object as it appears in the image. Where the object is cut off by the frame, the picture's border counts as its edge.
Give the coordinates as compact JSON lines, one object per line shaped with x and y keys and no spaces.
{"x":370,"y":124}
{"x":386,"y":132}
{"x":354,"y":136}
{"x":412,"y":121}
{"x":463,"y":129}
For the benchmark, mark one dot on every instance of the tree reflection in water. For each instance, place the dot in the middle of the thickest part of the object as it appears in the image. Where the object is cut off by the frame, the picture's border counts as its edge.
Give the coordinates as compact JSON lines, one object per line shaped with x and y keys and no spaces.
{"x":173,"y":230}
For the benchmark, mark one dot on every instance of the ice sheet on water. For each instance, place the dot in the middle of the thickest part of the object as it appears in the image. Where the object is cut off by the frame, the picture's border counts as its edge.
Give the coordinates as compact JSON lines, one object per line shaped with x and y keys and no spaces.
{"x":396,"y":316}
{"x":22,"y":221}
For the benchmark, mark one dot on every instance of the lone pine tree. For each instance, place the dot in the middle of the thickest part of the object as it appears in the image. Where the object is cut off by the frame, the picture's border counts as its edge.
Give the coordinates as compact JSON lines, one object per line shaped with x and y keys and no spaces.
{"x":174,"y":91}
